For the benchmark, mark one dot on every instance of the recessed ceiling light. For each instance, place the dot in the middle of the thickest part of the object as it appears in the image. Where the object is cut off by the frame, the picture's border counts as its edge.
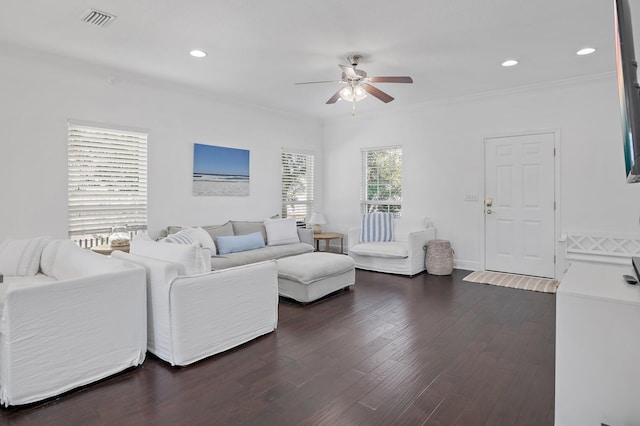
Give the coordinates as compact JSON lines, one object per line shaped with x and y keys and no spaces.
{"x":509,"y":63}
{"x":198,"y":53}
{"x":585,"y":51}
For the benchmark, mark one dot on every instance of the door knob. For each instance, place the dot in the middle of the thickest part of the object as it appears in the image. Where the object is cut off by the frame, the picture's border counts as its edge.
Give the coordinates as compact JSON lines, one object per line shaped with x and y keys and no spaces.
{"x":489,"y":211}
{"x":488,"y":202}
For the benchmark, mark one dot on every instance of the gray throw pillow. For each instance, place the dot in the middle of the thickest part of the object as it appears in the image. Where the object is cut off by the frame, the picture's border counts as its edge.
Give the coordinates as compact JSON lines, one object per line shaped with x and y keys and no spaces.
{"x":247,"y":227}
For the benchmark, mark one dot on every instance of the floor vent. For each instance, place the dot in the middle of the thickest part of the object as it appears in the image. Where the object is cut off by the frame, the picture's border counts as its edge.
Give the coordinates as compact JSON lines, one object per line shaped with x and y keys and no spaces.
{"x":98,"y":18}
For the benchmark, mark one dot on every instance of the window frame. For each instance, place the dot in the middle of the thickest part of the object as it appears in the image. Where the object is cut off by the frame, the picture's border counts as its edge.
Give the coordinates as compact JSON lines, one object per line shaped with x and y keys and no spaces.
{"x":290,"y":207}
{"x":388,"y":204}
{"x":107,"y":179}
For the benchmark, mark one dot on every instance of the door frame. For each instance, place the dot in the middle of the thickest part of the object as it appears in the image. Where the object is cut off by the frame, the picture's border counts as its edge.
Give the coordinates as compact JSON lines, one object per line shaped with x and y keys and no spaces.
{"x":559,"y":257}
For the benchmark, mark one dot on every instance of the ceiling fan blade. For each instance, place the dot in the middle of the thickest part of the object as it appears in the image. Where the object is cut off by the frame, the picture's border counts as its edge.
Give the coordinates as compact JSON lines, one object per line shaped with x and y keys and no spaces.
{"x":377,"y":93}
{"x":322,"y":81}
{"x":349,"y":71}
{"x":391,"y":79}
{"x":334,"y":98}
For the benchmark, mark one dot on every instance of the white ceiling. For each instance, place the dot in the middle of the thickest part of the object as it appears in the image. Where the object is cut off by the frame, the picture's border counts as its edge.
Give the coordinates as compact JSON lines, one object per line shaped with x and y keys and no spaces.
{"x":258,"y":49}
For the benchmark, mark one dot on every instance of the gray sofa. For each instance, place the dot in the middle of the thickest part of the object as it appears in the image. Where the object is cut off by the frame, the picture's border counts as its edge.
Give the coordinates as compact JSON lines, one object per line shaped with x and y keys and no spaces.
{"x":232,"y":228}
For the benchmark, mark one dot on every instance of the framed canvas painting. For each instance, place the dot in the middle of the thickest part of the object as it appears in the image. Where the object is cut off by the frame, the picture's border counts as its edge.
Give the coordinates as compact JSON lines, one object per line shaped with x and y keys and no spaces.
{"x":220,"y":171}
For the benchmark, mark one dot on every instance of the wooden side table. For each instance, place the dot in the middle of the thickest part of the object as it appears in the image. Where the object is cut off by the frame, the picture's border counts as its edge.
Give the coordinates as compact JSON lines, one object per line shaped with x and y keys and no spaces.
{"x":328,"y":236}
{"x":106,"y":249}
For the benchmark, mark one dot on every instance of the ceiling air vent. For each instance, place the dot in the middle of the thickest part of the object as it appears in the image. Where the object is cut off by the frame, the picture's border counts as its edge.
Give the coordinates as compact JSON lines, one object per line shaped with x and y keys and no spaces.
{"x":97,"y":18}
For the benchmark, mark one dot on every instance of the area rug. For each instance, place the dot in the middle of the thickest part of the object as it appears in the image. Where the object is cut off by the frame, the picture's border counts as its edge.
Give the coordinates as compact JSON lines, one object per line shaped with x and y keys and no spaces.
{"x":521,"y":282}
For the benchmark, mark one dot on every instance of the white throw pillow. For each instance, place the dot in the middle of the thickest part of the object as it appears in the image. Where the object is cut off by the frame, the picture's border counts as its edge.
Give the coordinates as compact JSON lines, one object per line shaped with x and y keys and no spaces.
{"x":202,"y":236}
{"x":22,"y":257}
{"x":281,"y":231}
{"x":49,"y":257}
{"x":191,"y":257}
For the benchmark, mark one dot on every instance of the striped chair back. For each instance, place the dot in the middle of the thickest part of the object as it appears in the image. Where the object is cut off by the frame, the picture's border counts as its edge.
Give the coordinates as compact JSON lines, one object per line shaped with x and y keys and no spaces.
{"x":376,"y":227}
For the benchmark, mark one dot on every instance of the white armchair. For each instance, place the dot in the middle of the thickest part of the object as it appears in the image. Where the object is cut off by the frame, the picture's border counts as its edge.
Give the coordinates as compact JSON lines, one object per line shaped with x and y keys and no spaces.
{"x":191,"y":317}
{"x":80,"y":319}
{"x":404,"y":255}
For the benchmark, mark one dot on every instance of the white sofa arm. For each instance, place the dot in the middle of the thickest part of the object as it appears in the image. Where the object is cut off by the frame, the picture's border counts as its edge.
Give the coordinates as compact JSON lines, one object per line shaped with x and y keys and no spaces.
{"x":418,"y":241}
{"x":159,"y":276}
{"x":38,"y":331}
{"x":216,"y":311}
{"x":353,"y":237}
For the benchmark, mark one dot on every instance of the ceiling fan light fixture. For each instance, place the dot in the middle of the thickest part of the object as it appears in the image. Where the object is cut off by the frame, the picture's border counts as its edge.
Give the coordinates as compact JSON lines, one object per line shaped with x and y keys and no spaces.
{"x":346,"y":94}
{"x":357,"y":85}
{"x":351,"y":94}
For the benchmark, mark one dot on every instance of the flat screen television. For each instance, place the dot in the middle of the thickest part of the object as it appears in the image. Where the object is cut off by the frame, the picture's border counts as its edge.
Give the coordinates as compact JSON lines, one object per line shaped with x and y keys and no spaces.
{"x":628,"y":89}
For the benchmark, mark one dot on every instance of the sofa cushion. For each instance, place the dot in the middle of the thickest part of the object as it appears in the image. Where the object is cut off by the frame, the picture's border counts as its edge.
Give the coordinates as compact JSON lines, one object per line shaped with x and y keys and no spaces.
{"x":312,"y":267}
{"x":391,"y":249}
{"x":216,"y":231}
{"x":246,"y":227}
{"x":281,"y":231}
{"x":376,"y":227}
{"x":252,"y":256}
{"x":237,"y":243}
{"x":213,"y":230}
{"x":22,"y":257}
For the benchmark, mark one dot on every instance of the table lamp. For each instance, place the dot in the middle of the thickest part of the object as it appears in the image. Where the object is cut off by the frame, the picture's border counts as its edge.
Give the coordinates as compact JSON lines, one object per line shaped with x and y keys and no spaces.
{"x":316,"y":220}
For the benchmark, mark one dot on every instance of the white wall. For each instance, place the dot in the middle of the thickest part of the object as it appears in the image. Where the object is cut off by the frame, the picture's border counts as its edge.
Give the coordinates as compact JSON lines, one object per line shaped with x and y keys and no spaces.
{"x":443,"y":151}
{"x":41,"y":92}
{"x":443,"y":160}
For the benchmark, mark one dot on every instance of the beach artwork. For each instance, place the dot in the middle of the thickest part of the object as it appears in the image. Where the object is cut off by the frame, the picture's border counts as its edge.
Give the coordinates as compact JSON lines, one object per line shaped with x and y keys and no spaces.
{"x":220,"y":171}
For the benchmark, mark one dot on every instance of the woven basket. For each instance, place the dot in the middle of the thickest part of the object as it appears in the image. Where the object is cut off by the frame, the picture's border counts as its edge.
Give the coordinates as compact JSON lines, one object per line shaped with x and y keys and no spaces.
{"x":439,"y":257}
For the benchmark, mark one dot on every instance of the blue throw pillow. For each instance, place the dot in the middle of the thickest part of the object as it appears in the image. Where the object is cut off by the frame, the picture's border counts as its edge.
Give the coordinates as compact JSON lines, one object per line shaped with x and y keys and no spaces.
{"x":376,"y":227}
{"x":236,"y":243}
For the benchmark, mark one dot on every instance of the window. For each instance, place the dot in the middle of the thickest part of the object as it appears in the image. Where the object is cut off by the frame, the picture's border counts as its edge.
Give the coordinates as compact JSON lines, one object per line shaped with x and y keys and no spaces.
{"x":107,"y":180}
{"x":382,"y":180}
{"x":297,"y":185}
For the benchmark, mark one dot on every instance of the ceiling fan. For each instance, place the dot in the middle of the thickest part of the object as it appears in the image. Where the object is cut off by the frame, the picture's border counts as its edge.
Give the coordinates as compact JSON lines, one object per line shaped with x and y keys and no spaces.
{"x":358,"y":84}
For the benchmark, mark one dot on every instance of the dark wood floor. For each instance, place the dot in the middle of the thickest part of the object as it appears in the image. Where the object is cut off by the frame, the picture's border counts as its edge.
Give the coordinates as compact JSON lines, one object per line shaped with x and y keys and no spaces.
{"x":394,"y":350}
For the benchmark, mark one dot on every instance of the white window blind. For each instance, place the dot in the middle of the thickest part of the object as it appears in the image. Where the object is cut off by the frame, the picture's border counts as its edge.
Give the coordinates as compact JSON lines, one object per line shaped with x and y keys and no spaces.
{"x":382,"y":180}
{"x":297,"y":185}
{"x":107,"y":179}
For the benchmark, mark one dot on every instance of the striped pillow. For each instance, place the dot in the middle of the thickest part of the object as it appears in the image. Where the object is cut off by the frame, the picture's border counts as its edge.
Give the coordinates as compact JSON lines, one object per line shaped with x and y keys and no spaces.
{"x":376,"y":227}
{"x":181,"y":237}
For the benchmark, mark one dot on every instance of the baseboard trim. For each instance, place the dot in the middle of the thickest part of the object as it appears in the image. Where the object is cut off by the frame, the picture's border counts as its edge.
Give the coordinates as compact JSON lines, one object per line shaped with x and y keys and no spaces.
{"x":467,"y":265}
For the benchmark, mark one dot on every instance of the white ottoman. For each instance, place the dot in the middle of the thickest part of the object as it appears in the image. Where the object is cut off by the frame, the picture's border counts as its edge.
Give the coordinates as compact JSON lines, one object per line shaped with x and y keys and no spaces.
{"x":310,"y":276}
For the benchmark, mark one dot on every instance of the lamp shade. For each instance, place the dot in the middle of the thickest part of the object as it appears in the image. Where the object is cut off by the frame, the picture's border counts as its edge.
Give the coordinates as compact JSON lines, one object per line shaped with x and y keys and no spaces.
{"x":317,"y":219}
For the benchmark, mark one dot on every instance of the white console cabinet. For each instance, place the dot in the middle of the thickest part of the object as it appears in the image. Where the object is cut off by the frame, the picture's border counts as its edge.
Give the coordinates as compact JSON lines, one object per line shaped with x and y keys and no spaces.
{"x":597,"y":347}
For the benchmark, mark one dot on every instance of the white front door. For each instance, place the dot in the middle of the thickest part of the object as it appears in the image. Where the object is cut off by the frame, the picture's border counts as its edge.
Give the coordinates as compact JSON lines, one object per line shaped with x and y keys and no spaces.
{"x":519,"y":204}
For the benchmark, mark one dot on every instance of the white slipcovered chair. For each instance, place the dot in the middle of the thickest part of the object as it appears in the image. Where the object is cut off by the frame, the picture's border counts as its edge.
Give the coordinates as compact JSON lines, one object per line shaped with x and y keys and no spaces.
{"x":404,"y":254}
{"x":69,"y":317}
{"x":194,"y":312}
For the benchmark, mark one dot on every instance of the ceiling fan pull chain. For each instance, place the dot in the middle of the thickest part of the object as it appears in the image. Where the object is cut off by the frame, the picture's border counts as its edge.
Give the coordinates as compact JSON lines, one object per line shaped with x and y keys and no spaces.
{"x":353,"y":109}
